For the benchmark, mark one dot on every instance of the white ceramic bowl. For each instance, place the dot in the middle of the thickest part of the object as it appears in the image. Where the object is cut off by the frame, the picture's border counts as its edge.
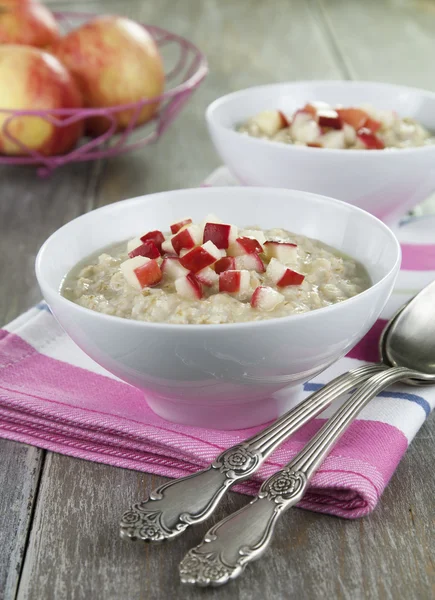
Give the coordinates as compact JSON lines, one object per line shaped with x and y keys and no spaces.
{"x":385,"y":183}
{"x":233,"y":375}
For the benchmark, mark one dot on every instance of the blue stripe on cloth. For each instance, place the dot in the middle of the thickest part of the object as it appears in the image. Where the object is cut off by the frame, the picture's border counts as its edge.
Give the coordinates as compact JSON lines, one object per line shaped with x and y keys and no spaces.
{"x":313,"y":387}
{"x":43,"y":306}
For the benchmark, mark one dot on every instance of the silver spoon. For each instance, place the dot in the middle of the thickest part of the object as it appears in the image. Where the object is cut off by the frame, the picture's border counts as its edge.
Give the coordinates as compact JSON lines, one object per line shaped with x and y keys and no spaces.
{"x":176,"y":505}
{"x":243,"y":536}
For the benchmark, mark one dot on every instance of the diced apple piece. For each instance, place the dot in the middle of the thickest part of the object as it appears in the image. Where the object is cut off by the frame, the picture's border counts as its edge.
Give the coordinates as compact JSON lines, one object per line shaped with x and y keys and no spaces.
{"x":189,"y":287}
{"x":270,"y":121}
{"x":310,"y":109}
{"x":266,"y":298}
{"x":244,"y":245}
{"x":221,"y":234}
{"x":134,"y":243}
{"x":154,"y":236}
{"x":333,"y":140}
{"x":285,"y":119}
{"x":257,"y":234}
{"x":172,"y":268}
{"x":175,"y":227}
{"x":349,"y":134}
{"x":285,"y":252}
{"x":141,"y":272}
{"x":251,"y":262}
{"x":207,"y":276}
{"x":148,"y":249}
{"x":188,"y":237}
{"x":373,"y":125}
{"x":228,"y":263}
{"x":304,"y":128}
{"x":167,"y":247}
{"x":369,"y":139}
{"x":356,"y":117}
{"x":234,"y":282}
{"x":329,"y":118}
{"x":201,"y":257}
{"x":281,"y":275}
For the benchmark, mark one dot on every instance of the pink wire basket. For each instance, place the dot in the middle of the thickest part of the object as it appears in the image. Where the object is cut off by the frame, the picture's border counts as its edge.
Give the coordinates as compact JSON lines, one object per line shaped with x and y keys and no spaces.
{"x":186,"y":67}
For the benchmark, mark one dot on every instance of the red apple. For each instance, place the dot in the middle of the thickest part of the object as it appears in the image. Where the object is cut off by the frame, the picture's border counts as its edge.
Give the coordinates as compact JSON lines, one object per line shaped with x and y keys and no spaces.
{"x":369,"y":139}
{"x":281,"y":275}
{"x":172,"y":268}
{"x":270,"y":121}
{"x":373,"y":125}
{"x":187,"y":238}
{"x":285,"y":252}
{"x":207,"y":276}
{"x":220,"y":234}
{"x":251,"y":262}
{"x":225,"y":264}
{"x":310,"y":109}
{"x":115,"y":61}
{"x":31,"y":79}
{"x":175,"y":227}
{"x":356,"y":117}
{"x":148,"y":249}
{"x":266,"y":298}
{"x":189,"y":287}
{"x":27,"y":22}
{"x":200,"y":257}
{"x":141,"y":272}
{"x":154,"y":236}
{"x":167,"y":247}
{"x":133,"y":244}
{"x":234,"y":282}
{"x":329,"y":118}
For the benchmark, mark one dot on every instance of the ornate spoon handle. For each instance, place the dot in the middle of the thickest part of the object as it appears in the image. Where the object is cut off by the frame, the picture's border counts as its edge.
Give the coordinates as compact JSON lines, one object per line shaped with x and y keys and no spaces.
{"x":244,"y":535}
{"x":174,"y":506}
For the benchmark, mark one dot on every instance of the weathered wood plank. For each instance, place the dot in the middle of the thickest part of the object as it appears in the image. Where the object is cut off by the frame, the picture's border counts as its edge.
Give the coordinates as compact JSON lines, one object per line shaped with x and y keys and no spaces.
{"x":19,"y":475}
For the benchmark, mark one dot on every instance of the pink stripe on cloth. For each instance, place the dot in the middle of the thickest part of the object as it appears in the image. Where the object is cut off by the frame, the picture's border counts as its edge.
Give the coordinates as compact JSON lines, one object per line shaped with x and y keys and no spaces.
{"x":418,"y":257}
{"x":66,"y":409}
{"x":367,"y":349}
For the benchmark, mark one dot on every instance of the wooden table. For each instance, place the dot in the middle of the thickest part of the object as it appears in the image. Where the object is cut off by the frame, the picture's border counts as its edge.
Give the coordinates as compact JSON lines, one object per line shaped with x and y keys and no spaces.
{"x":59,"y":515}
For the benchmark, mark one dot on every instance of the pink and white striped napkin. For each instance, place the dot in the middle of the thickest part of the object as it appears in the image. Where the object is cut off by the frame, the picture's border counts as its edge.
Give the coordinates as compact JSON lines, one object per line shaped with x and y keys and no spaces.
{"x":53,"y":396}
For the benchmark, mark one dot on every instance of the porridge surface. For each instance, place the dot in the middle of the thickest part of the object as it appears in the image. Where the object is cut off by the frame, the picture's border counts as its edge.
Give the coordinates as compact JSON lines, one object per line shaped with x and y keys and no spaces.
{"x":328,"y":277}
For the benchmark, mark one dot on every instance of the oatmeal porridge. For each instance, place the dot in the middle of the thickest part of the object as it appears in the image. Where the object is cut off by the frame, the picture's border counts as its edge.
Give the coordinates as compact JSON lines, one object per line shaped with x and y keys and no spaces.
{"x":214,"y":272}
{"x":322,"y":126}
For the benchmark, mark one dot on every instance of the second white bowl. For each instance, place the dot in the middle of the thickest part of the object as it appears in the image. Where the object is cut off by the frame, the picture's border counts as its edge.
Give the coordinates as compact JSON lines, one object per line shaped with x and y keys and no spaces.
{"x":386,"y":183}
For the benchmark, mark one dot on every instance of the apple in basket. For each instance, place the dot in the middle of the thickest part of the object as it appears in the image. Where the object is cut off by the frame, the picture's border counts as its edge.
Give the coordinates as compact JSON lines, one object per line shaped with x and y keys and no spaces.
{"x":31,"y":79}
{"x":27,"y":22}
{"x":115,"y":61}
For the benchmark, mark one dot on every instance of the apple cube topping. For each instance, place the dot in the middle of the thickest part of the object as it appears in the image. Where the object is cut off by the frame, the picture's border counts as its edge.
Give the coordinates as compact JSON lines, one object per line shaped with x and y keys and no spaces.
{"x":141,"y":272}
{"x":154,"y":236}
{"x":251,"y":262}
{"x":285,"y":252}
{"x":172,"y":269}
{"x":221,"y":234}
{"x":266,"y":298}
{"x":189,"y":287}
{"x":234,"y":282}
{"x":175,"y":227}
{"x":225,"y":264}
{"x":281,"y":275}
{"x":270,"y":121}
{"x":201,"y":257}
{"x":133,"y":244}
{"x":207,"y":276}
{"x":148,"y":249}
{"x":188,"y":237}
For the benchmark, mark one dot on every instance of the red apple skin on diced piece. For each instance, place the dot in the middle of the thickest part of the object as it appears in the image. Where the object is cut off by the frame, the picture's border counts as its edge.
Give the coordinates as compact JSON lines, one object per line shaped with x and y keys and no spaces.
{"x":281,"y":275}
{"x":369,"y":139}
{"x":285,"y":252}
{"x":148,"y":249}
{"x":172,"y":268}
{"x":373,"y":125}
{"x":250,"y":245}
{"x":227,"y":263}
{"x":175,"y":227}
{"x":154,"y":236}
{"x":250,"y":262}
{"x":189,"y":287}
{"x":286,"y":122}
{"x":200,"y":257}
{"x":149,"y":274}
{"x":218,"y":233}
{"x":183,"y":239}
{"x":290,"y":277}
{"x":266,"y":298}
{"x":310,"y":109}
{"x":329,"y":118}
{"x":233,"y":282}
{"x":356,"y":117}
{"x":207,"y":277}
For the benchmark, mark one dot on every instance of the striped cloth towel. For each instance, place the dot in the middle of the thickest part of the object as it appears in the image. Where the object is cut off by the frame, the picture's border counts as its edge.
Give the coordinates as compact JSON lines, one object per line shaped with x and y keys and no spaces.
{"x":53,"y":396}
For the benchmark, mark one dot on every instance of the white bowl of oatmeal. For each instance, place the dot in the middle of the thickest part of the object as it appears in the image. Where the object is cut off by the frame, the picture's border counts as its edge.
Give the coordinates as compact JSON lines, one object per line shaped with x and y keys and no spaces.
{"x":235,"y":355}
{"x":385,"y":165}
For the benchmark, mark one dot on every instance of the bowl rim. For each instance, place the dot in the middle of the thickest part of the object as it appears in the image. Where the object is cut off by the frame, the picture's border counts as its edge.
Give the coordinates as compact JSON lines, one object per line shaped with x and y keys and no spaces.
{"x":227,"y":98}
{"x":216,"y":326}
